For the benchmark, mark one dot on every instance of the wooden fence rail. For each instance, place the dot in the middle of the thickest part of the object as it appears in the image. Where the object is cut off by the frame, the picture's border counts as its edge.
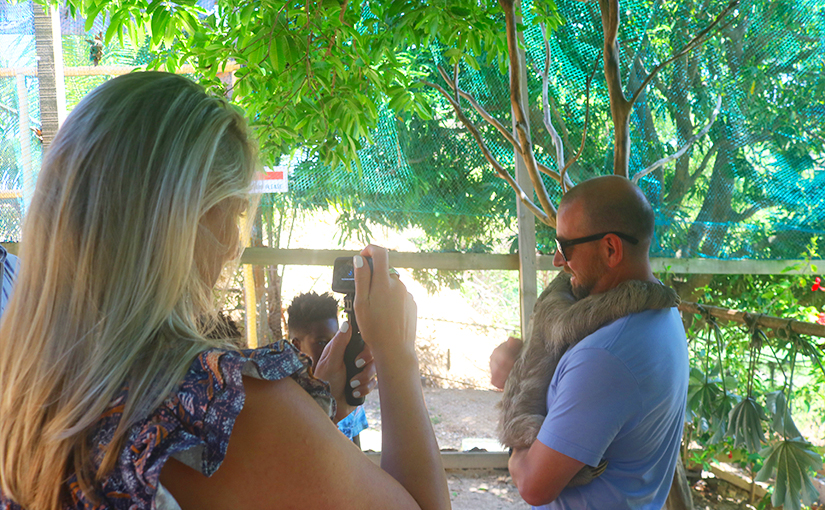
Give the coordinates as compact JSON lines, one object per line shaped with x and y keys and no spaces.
{"x":765,"y":321}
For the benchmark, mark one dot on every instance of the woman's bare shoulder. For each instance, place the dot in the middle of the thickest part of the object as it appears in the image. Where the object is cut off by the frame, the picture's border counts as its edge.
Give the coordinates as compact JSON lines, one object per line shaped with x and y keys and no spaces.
{"x":285,"y":452}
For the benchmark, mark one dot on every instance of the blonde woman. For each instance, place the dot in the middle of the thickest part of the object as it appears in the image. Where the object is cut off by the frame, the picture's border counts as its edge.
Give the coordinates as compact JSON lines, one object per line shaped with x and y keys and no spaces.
{"x":113,"y":396}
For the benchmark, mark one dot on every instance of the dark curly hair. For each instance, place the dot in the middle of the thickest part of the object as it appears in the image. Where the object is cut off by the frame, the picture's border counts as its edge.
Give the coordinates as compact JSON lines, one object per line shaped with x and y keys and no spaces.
{"x":311,"y":307}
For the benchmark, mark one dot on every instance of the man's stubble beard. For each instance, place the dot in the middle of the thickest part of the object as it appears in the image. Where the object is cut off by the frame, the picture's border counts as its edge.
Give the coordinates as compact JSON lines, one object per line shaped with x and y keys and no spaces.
{"x":584,"y":282}
{"x":581,"y":291}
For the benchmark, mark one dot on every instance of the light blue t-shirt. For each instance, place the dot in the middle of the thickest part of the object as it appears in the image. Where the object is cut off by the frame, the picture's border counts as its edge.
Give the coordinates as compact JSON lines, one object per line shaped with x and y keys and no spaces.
{"x":620,"y":395}
{"x":9,"y":264}
{"x":354,"y":423}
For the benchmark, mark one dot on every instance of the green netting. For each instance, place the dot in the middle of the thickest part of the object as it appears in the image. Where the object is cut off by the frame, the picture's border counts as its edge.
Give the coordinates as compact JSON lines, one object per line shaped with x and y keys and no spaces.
{"x":753,"y":187}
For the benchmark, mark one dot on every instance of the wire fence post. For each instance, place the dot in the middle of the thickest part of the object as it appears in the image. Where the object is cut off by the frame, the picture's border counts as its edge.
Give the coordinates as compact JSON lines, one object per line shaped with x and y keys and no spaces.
{"x":528,"y":288}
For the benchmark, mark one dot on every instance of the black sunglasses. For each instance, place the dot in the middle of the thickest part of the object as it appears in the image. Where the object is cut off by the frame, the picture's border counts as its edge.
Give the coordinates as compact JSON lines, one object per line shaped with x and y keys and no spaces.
{"x":561,"y":245}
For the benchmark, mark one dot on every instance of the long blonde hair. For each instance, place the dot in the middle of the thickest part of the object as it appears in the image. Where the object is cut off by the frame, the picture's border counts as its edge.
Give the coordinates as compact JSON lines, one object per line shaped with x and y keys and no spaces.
{"x":109,"y":292}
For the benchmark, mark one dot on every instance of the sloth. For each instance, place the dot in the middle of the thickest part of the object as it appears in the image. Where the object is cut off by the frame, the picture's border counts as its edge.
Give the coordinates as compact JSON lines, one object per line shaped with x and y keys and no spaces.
{"x":560,"y":321}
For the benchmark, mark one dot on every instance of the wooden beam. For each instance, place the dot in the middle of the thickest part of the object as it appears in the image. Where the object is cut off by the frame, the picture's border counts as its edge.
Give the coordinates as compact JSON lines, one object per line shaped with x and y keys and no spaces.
{"x":740,"y":266}
{"x":484,"y":261}
{"x":495,"y":262}
{"x":462,"y":460}
{"x":449,"y":261}
{"x":46,"y":75}
{"x":100,"y":70}
{"x":725,"y":472}
{"x":799,"y":327}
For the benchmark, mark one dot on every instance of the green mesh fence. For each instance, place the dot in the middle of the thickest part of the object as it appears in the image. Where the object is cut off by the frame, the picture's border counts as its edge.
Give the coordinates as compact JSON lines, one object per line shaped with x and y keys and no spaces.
{"x":752,"y":187}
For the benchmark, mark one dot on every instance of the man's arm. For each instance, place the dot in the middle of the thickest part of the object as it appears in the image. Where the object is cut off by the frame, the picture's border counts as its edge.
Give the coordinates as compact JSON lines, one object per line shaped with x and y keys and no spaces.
{"x":540,"y":472}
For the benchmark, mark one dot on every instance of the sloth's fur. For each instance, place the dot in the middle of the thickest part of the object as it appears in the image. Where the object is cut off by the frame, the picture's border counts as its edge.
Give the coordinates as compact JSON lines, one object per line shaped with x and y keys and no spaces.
{"x":560,"y":321}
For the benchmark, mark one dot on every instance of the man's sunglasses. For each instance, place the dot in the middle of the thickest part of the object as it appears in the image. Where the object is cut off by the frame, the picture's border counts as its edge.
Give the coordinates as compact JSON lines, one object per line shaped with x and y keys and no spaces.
{"x":561,"y":245}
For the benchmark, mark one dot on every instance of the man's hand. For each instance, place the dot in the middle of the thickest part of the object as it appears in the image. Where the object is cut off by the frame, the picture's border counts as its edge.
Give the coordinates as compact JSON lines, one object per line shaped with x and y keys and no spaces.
{"x":502,"y":360}
{"x":331,"y":368}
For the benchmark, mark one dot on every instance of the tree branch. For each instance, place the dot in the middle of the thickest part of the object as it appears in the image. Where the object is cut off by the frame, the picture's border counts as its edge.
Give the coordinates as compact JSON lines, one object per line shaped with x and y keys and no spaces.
{"x":693,"y":43}
{"x":455,"y":83}
{"x":681,"y":152}
{"x":481,"y":111}
{"x":619,"y":105}
{"x":563,"y":173}
{"x":565,"y":133}
{"x":750,"y":211}
{"x":495,"y":123}
{"x":520,"y":120}
{"x":545,"y":102}
{"x":502,"y":172}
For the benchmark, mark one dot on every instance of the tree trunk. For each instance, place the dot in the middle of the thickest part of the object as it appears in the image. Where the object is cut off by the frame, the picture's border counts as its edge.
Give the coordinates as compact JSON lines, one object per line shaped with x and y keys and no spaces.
{"x":679,"y":497}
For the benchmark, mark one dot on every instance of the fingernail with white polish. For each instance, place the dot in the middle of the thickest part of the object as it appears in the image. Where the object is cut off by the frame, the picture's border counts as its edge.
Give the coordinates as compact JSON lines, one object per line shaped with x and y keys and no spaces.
{"x":357,"y":261}
{"x":356,"y":394}
{"x":344,"y":327}
{"x":355,"y":383}
{"x":360,"y":362}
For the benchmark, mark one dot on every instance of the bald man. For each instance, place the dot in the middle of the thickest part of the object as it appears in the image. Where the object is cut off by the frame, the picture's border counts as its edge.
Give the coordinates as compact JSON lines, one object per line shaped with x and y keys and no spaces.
{"x":619,"y":394}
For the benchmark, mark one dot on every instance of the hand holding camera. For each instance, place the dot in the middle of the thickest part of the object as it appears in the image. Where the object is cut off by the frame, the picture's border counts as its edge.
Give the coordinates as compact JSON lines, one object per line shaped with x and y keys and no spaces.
{"x":386,"y":311}
{"x":343,"y":281}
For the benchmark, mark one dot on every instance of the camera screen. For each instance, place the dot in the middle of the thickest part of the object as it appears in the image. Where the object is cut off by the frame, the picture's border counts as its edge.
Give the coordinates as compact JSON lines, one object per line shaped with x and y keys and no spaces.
{"x":343,"y":276}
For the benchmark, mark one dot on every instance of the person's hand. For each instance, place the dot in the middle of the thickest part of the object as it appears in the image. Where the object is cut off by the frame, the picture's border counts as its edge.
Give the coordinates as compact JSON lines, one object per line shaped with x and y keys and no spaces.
{"x":385,"y":310}
{"x":502,"y":360}
{"x":331,"y":369}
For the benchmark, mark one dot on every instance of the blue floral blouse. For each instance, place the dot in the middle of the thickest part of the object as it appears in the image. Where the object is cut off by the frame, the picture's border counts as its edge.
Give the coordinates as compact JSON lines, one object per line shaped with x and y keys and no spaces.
{"x":193,"y":424}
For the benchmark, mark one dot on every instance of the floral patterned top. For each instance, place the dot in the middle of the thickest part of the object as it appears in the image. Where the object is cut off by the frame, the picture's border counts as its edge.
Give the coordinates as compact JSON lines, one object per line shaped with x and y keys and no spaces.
{"x":193,"y":425}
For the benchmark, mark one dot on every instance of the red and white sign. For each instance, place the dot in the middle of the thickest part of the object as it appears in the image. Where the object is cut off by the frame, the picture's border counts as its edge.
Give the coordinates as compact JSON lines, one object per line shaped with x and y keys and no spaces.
{"x":272,"y":180}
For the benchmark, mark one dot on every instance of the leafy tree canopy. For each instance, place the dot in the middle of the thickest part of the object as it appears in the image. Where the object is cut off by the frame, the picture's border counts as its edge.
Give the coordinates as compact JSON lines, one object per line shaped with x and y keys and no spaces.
{"x":312,"y":74}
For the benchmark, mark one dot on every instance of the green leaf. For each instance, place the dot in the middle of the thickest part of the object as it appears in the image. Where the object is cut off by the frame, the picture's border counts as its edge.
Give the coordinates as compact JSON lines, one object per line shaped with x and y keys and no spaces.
{"x":791,"y":460}
{"x":115,"y":24}
{"x":276,"y":55}
{"x":745,"y":425}
{"x":459,"y":12}
{"x":159,"y":21}
{"x":92,"y":15}
{"x":781,"y":420}
{"x":471,"y":61}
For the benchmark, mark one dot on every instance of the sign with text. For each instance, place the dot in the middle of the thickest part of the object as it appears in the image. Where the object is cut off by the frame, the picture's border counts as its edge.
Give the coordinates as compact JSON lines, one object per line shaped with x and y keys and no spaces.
{"x":271,"y":180}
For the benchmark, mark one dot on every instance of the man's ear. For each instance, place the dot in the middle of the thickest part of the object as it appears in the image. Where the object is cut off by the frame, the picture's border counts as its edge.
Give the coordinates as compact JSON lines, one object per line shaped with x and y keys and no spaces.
{"x":613,"y":250}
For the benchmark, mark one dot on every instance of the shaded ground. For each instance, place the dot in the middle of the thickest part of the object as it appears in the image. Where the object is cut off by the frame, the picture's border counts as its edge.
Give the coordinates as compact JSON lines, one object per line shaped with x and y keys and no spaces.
{"x":483,"y":490}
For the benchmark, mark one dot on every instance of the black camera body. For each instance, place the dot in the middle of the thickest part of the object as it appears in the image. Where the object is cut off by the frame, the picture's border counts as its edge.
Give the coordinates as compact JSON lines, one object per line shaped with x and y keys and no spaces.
{"x":343,"y":281}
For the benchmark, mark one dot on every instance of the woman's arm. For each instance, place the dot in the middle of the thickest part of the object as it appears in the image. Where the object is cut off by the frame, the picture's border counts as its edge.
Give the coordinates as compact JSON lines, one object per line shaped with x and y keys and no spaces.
{"x":285,"y":453}
{"x":387,"y":318}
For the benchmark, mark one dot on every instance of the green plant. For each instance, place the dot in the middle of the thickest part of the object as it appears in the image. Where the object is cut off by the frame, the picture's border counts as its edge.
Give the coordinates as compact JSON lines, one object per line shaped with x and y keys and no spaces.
{"x":736,"y":398}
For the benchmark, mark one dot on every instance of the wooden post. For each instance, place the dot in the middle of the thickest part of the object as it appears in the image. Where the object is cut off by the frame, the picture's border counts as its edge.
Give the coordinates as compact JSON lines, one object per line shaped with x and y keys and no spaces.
{"x":27,"y":177}
{"x":528,"y":291}
{"x":250,"y":299}
{"x":251,"y":304}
